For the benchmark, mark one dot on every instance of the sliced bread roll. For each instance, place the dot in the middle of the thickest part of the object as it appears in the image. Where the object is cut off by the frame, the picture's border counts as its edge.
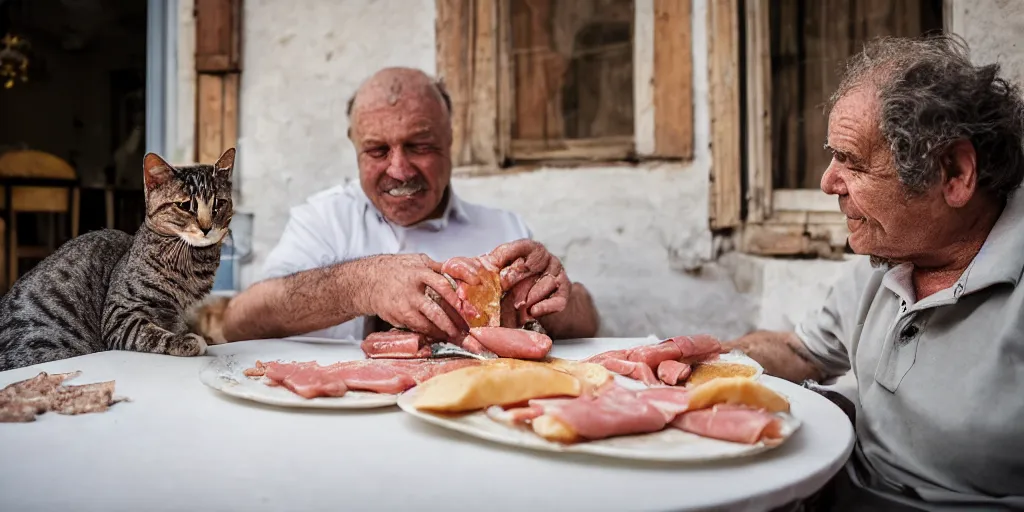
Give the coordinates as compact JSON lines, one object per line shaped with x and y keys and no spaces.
{"x":737,"y":391}
{"x":706,"y":372}
{"x":591,"y":375}
{"x":498,"y":382}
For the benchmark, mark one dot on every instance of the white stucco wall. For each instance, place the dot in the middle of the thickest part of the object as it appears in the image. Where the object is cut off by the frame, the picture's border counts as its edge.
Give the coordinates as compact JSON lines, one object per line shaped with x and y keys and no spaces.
{"x":637,"y":236}
{"x":301,"y":61}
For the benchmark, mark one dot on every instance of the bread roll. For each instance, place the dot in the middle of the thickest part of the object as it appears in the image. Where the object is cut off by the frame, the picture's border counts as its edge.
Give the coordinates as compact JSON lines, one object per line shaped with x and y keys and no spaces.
{"x":738,"y":391}
{"x":591,"y":375}
{"x":497,"y":382}
{"x":705,"y":372}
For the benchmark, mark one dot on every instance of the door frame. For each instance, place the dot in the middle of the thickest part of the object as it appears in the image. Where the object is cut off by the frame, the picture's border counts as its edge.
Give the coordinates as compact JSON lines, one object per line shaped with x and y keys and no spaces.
{"x":161,"y":74}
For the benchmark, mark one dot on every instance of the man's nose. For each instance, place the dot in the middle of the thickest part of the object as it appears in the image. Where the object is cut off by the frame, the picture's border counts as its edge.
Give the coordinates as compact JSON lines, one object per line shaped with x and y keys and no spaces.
{"x":400,"y":168}
{"x":831,"y":182}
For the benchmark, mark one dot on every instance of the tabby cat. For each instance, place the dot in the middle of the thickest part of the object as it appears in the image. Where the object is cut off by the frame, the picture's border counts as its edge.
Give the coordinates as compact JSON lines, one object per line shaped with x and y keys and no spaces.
{"x":108,"y":290}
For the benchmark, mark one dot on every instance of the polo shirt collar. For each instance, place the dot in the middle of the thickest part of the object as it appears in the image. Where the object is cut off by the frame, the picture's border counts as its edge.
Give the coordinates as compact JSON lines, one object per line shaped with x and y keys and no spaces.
{"x":455,"y":209}
{"x":1000,"y":260}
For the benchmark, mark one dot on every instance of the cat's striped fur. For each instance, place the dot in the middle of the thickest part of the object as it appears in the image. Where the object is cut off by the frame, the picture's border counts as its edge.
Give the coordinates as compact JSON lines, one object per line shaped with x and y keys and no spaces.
{"x":107,"y":290}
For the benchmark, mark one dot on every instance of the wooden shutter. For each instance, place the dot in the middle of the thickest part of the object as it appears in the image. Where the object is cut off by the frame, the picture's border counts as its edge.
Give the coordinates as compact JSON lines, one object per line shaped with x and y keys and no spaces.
{"x":673,"y":79}
{"x":724,"y":89}
{"x":218,"y":72}
{"x":218,"y":35}
{"x":467,"y":34}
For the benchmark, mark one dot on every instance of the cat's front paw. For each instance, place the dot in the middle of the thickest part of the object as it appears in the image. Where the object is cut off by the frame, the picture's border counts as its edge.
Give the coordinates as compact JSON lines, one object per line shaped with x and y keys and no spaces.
{"x":189,"y":345}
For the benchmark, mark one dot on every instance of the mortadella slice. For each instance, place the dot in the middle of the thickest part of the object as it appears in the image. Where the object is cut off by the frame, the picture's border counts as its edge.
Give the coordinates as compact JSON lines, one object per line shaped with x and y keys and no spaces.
{"x":395,"y":344}
{"x":512,"y":343}
{"x":728,"y":422}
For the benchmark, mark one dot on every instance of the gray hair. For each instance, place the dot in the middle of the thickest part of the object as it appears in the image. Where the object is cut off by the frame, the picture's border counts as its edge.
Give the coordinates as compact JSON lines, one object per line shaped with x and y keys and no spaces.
{"x":933,"y":96}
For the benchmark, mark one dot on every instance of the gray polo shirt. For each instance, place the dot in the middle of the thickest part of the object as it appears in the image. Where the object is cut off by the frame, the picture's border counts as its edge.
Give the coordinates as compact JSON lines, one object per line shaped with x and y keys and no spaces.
{"x":940,"y":381}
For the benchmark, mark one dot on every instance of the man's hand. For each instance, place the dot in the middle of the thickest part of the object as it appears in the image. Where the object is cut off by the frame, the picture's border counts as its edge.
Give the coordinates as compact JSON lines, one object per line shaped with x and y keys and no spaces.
{"x":525,"y":259}
{"x":398,"y":294}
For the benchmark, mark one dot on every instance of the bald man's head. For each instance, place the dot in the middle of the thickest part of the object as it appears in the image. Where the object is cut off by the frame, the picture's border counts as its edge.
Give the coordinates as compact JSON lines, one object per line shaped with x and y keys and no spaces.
{"x":400,"y":125}
{"x":393,"y":82}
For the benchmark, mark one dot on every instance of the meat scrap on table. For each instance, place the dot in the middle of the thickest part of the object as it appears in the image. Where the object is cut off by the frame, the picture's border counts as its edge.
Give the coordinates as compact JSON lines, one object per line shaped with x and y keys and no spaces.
{"x":22,"y":401}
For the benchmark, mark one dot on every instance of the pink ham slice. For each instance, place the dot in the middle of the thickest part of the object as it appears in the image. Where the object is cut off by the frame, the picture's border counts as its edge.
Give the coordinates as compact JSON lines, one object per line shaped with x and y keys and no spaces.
{"x":670,"y":401}
{"x":619,"y":364}
{"x":614,"y":410}
{"x":423,"y":371}
{"x":642,"y":362}
{"x":735,"y":423}
{"x":366,"y":376}
{"x":514,"y":343}
{"x":610,"y":411}
{"x":311,"y":380}
{"x":698,"y":348}
{"x":305,"y":379}
{"x":395,"y":344}
{"x":673,"y":372}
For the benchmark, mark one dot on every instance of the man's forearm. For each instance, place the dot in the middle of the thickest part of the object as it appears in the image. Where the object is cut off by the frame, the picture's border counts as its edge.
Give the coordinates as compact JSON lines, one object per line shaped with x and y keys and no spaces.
{"x":300,"y":303}
{"x":579,"y":319}
{"x":782,"y":355}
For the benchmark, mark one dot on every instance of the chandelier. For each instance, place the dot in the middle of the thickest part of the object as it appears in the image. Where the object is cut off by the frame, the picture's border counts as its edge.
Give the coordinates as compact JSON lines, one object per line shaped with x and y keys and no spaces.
{"x":13,"y":60}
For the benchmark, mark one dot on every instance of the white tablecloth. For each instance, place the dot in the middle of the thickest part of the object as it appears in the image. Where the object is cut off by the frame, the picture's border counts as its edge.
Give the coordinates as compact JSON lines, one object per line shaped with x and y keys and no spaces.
{"x":179,"y":445}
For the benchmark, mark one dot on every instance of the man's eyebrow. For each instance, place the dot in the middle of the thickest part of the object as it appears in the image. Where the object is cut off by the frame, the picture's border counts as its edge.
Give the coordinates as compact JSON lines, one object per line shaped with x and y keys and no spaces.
{"x":421,"y":133}
{"x":854,"y":159}
{"x":370,"y":142}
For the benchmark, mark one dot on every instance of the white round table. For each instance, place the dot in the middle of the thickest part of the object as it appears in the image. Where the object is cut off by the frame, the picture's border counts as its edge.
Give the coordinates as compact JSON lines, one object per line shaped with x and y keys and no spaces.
{"x":179,"y":445}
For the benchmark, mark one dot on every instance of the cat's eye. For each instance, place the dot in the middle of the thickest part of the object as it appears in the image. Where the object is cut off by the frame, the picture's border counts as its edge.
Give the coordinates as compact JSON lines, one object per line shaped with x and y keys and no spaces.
{"x":185,"y":205}
{"x":218,"y":205}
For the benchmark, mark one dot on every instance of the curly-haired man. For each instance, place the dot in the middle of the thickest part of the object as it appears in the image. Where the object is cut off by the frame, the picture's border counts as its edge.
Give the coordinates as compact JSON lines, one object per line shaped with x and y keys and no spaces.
{"x":928,"y":152}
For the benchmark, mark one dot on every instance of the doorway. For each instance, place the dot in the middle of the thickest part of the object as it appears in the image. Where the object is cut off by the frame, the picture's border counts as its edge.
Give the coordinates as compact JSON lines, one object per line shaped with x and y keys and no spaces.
{"x":74,"y":89}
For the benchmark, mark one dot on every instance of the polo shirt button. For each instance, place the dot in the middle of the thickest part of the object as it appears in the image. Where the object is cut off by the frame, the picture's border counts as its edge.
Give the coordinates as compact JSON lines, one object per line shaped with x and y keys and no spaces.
{"x":908,"y":333}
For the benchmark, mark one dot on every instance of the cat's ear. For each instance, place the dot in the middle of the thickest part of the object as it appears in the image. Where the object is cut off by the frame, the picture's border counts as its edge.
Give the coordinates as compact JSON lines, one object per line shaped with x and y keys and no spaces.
{"x":156,"y":171}
{"x":226,"y":163}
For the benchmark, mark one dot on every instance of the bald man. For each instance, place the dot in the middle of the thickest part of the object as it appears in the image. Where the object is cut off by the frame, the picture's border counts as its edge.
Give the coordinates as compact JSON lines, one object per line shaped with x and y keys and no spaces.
{"x":356,"y":254}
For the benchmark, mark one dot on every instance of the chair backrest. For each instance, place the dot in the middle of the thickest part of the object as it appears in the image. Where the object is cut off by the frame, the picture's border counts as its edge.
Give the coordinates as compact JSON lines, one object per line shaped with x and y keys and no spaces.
{"x":30,"y":163}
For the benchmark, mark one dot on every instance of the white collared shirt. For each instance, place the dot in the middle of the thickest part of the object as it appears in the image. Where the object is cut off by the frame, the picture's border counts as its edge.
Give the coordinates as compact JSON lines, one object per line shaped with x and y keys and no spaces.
{"x":341,"y":224}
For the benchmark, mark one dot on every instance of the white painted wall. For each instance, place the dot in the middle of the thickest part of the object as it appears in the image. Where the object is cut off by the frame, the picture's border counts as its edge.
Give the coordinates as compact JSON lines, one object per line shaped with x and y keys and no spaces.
{"x":632,"y":234}
{"x":302,"y":60}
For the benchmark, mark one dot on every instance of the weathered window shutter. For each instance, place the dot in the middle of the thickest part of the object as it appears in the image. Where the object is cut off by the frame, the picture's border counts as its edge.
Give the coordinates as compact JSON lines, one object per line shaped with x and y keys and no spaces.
{"x":218,"y":36}
{"x":218,"y":69}
{"x":467,"y":33}
{"x":673,"y":79}
{"x":724,"y":90}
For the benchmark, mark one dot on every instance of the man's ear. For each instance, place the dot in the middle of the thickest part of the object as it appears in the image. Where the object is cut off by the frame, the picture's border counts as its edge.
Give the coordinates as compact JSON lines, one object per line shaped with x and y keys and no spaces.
{"x":155,"y":171}
{"x":959,"y":173}
{"x":226,"y":163}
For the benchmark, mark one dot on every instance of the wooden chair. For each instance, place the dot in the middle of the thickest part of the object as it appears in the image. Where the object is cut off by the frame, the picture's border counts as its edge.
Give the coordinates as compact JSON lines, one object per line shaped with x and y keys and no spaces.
{"x":34,"y":182}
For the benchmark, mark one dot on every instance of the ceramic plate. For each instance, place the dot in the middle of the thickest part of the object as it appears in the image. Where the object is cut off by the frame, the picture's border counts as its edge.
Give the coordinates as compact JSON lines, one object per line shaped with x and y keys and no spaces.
{"x":671,"y":444}
{"x":225,"y":374}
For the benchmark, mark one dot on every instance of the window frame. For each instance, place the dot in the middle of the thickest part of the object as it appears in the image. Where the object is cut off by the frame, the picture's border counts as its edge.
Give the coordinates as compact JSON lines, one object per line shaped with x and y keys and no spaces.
{"x":744,"y":204}
{"x":473,"y":39}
